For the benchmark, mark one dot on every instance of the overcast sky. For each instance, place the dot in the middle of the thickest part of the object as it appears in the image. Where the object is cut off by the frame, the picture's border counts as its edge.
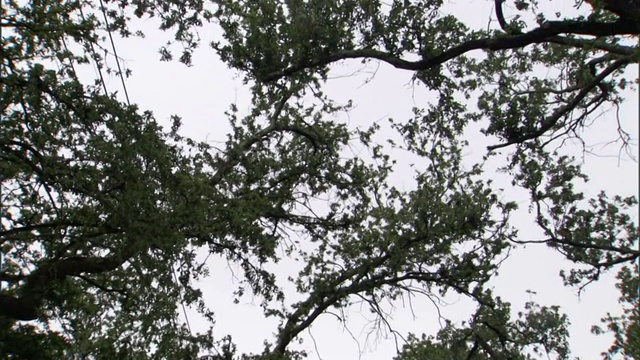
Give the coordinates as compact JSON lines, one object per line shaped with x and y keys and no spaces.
{"x":202,"y":93}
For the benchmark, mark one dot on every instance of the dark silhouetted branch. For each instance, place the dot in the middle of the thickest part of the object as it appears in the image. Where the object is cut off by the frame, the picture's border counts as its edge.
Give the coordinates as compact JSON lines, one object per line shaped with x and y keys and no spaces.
{"x":542,"y":34}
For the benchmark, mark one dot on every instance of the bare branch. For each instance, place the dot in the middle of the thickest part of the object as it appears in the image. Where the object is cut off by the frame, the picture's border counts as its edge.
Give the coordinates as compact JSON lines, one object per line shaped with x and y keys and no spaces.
{"x":552,"y":120}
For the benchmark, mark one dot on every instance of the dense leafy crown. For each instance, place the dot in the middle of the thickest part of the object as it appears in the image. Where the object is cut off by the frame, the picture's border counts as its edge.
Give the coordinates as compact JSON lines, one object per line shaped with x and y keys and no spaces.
{"x":103,"y":211}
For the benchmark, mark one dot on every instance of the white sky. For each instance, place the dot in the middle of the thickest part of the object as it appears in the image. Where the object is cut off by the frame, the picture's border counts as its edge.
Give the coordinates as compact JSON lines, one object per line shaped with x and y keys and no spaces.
{"x":202,"y":93}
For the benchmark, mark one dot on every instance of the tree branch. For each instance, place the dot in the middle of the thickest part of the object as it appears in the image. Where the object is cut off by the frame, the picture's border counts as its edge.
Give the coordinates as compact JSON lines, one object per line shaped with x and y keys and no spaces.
{"x":234,"y":155}
{"x":555,"y":240}
{"x":318,"y":302}
{"x":552,"y":120}
{"x":500,"y":16}
{"x":541,"y":34}
{"x":593,"y":44}
{"x":33,"y":292}
{"x":11,"y":277}
{"x":487,"y":348}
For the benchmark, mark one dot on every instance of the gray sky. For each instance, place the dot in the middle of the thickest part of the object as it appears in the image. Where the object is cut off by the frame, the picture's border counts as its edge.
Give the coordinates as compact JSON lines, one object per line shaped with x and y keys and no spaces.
{"x":202,"y":93}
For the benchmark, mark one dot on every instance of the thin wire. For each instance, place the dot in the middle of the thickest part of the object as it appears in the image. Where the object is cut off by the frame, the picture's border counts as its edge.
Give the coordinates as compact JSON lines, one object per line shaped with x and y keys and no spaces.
{"x":115,"y":53}
{"x":95,"y":58}
{"x":184,"y":309}
{"x":126,"y":94}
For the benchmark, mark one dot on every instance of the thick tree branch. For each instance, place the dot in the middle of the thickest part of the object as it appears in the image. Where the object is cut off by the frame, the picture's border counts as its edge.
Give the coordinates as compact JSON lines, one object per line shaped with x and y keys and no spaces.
{"x":542,"y":34}
{"x":624,"y":8}
{"x":593,"y":44}
{"x":29,"y":227}
{"x":18,"y":308}
{"x":500,"y":16}
{"x":11,"y":277}
{"x":33,"y":292}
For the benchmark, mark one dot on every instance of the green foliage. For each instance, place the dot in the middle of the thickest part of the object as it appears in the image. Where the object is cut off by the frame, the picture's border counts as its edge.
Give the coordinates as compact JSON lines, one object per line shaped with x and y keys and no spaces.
{"x":625,"y":327}
{"x":491,"y":334}
{"x":103,"y":211}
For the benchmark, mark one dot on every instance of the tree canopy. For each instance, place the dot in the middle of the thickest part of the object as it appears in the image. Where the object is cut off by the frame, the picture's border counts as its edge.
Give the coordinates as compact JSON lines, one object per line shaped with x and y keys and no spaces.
{"x":104,"y":211}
